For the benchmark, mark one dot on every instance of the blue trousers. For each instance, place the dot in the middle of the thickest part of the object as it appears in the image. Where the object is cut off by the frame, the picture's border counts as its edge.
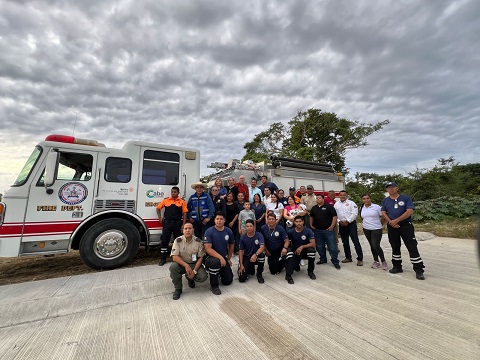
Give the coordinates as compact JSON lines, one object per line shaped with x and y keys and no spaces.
{"x":323,"y":237}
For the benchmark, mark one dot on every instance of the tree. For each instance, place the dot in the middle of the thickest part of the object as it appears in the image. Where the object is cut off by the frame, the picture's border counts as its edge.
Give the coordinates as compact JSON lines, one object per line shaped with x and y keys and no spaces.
{"x":312,"y":135}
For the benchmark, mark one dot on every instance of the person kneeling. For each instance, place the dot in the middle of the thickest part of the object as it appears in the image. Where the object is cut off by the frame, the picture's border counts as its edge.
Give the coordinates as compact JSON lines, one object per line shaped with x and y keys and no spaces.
{"x":251,"y":253}
{"x":187,"y":255}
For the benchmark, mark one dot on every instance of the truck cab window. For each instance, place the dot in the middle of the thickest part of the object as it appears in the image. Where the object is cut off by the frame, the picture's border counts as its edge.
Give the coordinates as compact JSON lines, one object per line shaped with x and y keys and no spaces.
{"x":118,"y":170}
{"x":75,"y":166}
{"x":27,"y":168}
{"x":160,"y":168}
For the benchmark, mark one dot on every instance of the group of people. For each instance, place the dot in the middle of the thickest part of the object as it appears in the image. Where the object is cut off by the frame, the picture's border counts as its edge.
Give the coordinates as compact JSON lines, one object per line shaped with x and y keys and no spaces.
{"x":260,"y":223}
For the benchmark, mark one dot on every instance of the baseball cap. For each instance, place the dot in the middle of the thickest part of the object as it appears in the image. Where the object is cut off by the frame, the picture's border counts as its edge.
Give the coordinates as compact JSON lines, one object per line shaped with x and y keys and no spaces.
{"x":391,"y":183}
{"x":291,"y":188}
{"x":309,"y":187}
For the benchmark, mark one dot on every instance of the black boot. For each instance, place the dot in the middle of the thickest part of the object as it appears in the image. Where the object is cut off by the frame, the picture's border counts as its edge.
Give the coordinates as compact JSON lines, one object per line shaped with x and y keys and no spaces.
{"x":177,"y":293}
{"x":163,"y":259}
{"x":260,"y":278}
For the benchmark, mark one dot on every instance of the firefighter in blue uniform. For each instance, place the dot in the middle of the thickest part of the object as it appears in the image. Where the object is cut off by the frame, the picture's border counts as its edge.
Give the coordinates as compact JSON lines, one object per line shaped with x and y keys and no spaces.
{"x":251,"y":253}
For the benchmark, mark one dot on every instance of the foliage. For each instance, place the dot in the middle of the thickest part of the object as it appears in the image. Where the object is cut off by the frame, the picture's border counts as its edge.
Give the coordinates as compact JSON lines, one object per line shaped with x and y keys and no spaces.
{"x":446,"y":207}
{"x":312,"y":135}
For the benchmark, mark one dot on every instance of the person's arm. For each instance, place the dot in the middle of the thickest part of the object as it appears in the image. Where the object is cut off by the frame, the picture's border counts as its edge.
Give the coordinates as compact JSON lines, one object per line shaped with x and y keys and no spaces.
{"x":260,"y":250}
{"x":233,"y":221}
{"x":311,"y":220}
{"x":159,"y":212}
{"x":188,"y":270}
{"x":231,"y":247}
{"x":210,"y":251}
{"x":211,"y":210}
{"x":241,"y":268}
{"x":404,"y":216}
{"x":352,"y":216}
{"x":332,"y":225}
{"x":280,"y":216}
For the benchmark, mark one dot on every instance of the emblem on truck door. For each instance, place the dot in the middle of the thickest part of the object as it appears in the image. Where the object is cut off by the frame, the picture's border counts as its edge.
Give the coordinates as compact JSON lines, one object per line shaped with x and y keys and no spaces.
{"x":73,"y":193}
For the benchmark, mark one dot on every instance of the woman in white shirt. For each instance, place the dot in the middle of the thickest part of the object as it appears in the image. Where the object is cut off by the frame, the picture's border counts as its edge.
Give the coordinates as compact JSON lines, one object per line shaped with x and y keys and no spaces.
{"x":276,"y":207}
{"x":372,"y":224}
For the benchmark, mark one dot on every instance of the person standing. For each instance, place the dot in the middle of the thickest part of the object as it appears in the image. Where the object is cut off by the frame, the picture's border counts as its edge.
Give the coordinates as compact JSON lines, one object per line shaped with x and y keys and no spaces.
{"x":292,"y":210}
{"x":372,"y":225}
{"x":397,"y":210}
{"x":309,"y":200}
{"x":302,"y":242}
{"x":218,"y":203}
{"x":266,"y":183}
{"x":222,"y":190}
{"x":200,"y":209}
{"x":323,"y":219}
{"x":267,"y":198}
{"x":276,"y":208}
{"x":219,"y":243}
{"x":231,"y":187}
{"x":330,"y":199}
{"x":173,"y":220}
{"x":187,"y":257}
{"x":243,"y":216}
{"x":242,"y":187}
{"x":347,"y":212}
{"x":251,"y":253}
{"x":259,"y":209}
{"x":276,"y":245}
{"x":292,"y":192}
{"x":253,"y":189}
{"x":281,"y":197}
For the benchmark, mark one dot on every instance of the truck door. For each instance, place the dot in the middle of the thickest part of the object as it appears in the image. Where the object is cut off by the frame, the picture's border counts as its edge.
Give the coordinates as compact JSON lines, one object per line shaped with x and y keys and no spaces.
{"x":53,"y":214}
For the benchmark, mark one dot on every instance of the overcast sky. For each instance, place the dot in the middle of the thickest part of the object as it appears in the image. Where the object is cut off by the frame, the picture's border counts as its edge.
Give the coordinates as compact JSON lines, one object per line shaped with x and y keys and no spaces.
{"x":211,"y":74}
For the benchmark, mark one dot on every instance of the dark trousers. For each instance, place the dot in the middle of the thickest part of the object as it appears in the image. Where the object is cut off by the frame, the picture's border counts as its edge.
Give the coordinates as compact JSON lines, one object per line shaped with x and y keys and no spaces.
{"x":199,"y":228}
{"x":215,"y":270}
{"x":294,"y":262}
{"x":374,"y":237}
{"x":350,"y":231}
{"x":275,"y":261}
{"x":169,"y":228}
{"x":250,"y":267}
{"x":407,"y":233}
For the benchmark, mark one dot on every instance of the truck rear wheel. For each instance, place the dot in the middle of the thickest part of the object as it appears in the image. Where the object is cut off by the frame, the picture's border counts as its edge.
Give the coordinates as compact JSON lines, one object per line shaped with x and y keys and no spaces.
{"x":109,"y":244}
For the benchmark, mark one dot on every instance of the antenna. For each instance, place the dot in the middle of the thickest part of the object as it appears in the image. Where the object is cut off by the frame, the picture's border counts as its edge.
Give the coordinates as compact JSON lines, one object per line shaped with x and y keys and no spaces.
{"x":75,"y":124}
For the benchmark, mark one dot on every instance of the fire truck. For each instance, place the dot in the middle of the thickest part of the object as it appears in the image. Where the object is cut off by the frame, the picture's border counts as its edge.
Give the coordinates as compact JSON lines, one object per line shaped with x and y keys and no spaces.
{"x":77,"y":194}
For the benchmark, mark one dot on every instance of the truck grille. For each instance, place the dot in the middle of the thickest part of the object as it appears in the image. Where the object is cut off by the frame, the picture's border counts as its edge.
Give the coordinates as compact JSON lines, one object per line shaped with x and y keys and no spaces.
{"x":127,"y":205}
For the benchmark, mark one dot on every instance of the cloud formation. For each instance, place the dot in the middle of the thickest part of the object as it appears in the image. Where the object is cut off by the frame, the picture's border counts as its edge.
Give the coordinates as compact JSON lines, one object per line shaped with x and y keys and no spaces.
{"x":211,"y":74}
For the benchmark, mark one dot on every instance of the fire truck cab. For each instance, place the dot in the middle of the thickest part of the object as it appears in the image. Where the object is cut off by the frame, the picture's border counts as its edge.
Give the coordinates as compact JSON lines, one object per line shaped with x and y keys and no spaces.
{"x":78,"y":194}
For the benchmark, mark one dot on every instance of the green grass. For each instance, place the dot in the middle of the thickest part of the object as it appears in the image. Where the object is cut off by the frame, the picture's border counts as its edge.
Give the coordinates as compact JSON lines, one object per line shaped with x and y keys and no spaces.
{"x":452,"y":227}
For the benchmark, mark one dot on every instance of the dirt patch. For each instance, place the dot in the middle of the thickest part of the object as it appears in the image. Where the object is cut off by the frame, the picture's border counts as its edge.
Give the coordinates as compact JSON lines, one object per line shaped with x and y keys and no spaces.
{"x":32,"y":268}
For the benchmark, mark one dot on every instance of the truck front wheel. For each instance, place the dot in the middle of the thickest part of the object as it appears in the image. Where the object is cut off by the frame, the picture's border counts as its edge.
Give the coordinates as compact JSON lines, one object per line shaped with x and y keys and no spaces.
{"x":109,"y":244}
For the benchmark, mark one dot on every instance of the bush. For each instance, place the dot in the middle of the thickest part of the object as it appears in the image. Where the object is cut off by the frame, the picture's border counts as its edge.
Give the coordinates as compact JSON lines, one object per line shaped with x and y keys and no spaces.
{"x":446,"y":207}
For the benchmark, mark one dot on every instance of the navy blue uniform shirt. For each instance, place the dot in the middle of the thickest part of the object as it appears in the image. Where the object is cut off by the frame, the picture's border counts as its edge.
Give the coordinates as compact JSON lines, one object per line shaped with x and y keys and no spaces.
{"x":274,"y":239}
{"x":219,"y":239}
{"x":403,"y":203}
{"x":300,"y":238}
{"x":250,"y":245}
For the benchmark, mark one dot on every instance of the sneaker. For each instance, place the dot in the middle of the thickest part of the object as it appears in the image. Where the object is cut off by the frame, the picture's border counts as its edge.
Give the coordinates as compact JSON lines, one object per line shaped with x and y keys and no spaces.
{"x":302,"y":262}
{"x":384,"y":265}
{"x":337,"y":266}
{"x":191,"y":283}
{"x":359,"y":263}
{"x":321,"y":262}
{"x":419,"y":275}
{"x":260,"y":279}
{"x":346,"y":260}
{"x":395,"y":270}
{"x":162,"y":262}
{"x":289,"y":279}
{"x":375,"y":265}
{"x":176,"y":294}
{"x":216,"y":290}
{"x":311,"y":275}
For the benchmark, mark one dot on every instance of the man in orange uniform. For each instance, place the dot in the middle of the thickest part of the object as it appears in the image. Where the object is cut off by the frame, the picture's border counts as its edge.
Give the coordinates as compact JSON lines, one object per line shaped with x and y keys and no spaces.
{"x":174,"y":217}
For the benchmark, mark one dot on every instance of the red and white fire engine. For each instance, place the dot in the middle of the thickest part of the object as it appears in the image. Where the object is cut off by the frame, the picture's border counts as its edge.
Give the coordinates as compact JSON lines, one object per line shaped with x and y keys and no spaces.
{"x":78,"y":194}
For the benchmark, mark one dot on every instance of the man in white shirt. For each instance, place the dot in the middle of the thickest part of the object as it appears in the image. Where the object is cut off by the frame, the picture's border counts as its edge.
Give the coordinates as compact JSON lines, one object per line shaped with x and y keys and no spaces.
{"x":347,"y":212}
{"x":253,"y":189}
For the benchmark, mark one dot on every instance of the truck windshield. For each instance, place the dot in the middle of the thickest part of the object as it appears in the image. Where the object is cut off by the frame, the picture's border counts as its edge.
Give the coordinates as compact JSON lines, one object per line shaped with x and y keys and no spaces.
{"x":27,"y":169}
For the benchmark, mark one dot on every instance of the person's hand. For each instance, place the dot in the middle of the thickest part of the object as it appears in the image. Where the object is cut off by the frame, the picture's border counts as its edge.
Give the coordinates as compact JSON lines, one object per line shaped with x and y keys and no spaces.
{"x":223,"y":262}
{"x":189,"y":272}
{"x":299,"y":250}
{"x":253,"y":258}
{"x":230,"y":262}
{"x":241,"y":269}
{"x":284,"y":252}
{"x":205,"y":221}
{"x":230,"y":224}
{"x":268,"y":253}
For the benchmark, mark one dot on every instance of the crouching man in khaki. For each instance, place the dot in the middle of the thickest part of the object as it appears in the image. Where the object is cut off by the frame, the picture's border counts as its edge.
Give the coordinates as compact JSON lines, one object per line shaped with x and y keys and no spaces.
{"x":187,"y":255}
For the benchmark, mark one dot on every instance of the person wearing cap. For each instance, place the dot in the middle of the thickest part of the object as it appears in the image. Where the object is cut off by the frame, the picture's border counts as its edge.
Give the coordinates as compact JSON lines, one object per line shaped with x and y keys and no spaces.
{"x":174,"y":218}
{"x":266,"y":183}
{"x":219,"y":244}
{"x":187,"y":257}
{"x":251,"y":252}
{"x":200,"y":208}
{"x":347,"y":212}
{"x":309,"y":200}
{"x":292,"y":191}
{"x":397,"y":210}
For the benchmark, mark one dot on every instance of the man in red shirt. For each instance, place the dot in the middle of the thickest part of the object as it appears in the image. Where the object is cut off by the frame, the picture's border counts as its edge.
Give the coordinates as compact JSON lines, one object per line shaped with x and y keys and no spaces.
{"x":242,"y":187}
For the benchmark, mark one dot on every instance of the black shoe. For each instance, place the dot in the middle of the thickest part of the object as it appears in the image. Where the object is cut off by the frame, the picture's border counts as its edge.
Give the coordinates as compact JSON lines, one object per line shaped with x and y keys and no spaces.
{"x":216,"y":290}
{"x":395,"y":270}
{"x":297,"y":268}
{"x":191,"y":283}
{"x":337,"y":266}
{"x":162,"y":262}
{"x":177,"y":293}
{"x":311,"y":275}
{"x":321,"y":262}
{"x":260,"y":279}
{"x":289,"y":279}
{"x":419,"y":275}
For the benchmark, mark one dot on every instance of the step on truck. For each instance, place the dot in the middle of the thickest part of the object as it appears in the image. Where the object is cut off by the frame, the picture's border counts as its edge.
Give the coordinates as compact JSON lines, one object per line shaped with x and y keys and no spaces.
{"x":77,"y":194}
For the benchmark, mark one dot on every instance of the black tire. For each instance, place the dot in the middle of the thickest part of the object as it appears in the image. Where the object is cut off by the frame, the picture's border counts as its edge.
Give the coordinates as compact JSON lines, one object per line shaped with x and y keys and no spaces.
{"x":109,"y":244}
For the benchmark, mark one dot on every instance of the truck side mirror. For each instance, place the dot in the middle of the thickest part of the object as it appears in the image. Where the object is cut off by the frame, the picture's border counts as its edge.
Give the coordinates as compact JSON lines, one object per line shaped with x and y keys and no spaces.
{"x":51,"y":169}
